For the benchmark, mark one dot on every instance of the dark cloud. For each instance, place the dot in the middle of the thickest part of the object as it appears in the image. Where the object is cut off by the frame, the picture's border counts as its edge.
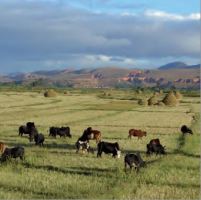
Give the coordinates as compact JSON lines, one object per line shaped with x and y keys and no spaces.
{"x":41,"y":34}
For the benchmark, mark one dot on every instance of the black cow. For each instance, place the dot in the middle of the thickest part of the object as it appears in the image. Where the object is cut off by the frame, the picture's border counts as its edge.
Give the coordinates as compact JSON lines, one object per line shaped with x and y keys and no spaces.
{"x":107,"y":148}
{"x":132,"y":160}
{"x":53,"y":131}
{"x":185,"y":129}
{"x":23,"y":130}
{"x":14,"y":152}
{"x":39,"y":139}
{"x":29,"y":129}
{"x":86,"y":136}
{"x":154,"y":146}
{"x":62,"y":132}
{"x":82,"y":145}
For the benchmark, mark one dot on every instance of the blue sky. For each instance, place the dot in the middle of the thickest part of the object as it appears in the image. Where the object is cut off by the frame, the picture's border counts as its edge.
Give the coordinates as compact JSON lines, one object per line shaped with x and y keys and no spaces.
{"x":54,"y":34}
{"x":115,"y":6}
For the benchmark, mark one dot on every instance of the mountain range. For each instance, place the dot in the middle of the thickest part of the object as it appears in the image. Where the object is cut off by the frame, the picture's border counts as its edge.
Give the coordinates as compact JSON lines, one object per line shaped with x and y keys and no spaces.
{"x":176,"y":74}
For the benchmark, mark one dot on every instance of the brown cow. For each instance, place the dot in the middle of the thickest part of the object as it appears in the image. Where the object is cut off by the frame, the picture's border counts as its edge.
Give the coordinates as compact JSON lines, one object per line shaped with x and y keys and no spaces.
{"x":2,"y":147}
{"x":136,"y":133}
{"x":95,"y":135}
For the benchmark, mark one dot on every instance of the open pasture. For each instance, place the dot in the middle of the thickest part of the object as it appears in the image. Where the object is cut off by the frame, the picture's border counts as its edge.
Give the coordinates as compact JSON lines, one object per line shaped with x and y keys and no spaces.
{"x":55,"y":171}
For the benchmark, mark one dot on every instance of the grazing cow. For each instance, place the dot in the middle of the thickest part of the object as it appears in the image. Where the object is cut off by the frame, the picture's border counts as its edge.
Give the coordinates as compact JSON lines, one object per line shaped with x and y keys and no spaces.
{"x":29,"y":129}
{"x":95,"y":135}
{"x":154,"y":146}
{"x":136,"y":133}
{"x":39,"y":139}
{"x":14,"y":152}
{"x":90,"y":134}
{"x":53,"y":131}
{"x":86,"y":136}
{"x":132,"y":160}
{"x":185,"y":129}
{"x":62,"y":132}
{"x":2,"y":147}
{"x":23,"y":130}
{"x":82,"y":145}
{"x":107,"y":148}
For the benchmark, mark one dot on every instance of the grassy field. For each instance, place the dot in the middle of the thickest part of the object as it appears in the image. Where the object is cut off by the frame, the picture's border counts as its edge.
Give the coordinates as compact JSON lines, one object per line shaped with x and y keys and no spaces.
{"x":57,"y":172}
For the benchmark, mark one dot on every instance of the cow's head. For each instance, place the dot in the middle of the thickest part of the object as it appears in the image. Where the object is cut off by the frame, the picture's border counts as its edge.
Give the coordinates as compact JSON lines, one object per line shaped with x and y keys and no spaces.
{"x":69,"y":135}
{"x":30,"y":124}
{"x":162,"y":150}
{"x":89,"y":129}
{"x":118,"y":153}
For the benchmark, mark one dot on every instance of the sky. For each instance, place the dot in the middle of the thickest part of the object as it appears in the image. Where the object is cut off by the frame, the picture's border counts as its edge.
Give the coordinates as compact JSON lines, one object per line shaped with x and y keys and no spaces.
{"x":56,"y":34}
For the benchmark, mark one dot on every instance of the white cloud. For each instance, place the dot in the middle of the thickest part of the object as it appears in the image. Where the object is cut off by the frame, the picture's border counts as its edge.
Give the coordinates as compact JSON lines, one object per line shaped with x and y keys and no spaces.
{"x":169,"y":16}
{"x":44,"y":35}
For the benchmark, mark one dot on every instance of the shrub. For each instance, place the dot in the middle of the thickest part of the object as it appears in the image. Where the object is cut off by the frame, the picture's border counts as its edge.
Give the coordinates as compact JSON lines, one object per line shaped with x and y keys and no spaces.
{"x":142,"y":102}
{"x":50,"y":93}
{"x":152,"y":101}
{"x":170,"y":99}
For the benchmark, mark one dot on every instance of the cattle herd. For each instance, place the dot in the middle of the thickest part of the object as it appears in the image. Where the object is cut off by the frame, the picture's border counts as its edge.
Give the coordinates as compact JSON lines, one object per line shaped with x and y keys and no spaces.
{"x":130,"y":160}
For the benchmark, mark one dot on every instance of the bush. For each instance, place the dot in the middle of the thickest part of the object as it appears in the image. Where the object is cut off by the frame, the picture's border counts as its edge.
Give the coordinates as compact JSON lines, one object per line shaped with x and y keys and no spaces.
{"x":152,"y":101}
{"x":142,"y":102}
{"x":50,"y":93}
{"x":170,"y":99}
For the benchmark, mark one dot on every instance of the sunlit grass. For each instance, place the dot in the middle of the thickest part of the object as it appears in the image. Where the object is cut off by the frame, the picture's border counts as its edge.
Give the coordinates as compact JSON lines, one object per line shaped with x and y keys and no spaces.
{"x":56,"y":171}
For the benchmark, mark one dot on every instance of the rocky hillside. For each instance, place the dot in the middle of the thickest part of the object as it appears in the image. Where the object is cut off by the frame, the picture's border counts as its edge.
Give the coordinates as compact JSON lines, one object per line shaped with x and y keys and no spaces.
{"x":176,"y":74}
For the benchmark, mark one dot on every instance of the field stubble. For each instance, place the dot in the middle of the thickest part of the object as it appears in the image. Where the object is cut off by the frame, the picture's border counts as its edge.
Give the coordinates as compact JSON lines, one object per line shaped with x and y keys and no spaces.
{"x":56,"y":171}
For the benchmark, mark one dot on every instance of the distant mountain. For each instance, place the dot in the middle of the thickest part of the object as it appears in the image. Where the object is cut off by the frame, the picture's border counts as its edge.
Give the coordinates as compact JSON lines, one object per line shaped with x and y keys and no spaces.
{"x":177,"y":74}
{"x":173,"y":65}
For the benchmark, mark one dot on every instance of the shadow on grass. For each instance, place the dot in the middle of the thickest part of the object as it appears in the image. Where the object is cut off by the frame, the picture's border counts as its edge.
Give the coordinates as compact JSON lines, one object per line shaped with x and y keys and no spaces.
{"x":181,"y":140}
{"x":177,"y":185}
{"x":183,"y":153}
{"x":59,"y":146}
{"x":29,"y":191}
{"x":84,"y":171}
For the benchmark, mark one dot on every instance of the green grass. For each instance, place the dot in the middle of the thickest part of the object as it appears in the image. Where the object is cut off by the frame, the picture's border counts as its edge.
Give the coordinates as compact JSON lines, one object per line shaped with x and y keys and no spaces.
{"x":57,"y":172}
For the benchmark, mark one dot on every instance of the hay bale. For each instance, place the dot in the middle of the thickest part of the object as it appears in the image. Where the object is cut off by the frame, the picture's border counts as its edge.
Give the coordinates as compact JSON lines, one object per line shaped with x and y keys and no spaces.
{"x":178,"y":95}
{"x":152,"y":101}
{"x":142,"y":102}
{"x":50,"y":93}
{"x":139,"y":91}
{"x":170,"y":99}
{"x":160,"y":103}
{"x":156,"y":94}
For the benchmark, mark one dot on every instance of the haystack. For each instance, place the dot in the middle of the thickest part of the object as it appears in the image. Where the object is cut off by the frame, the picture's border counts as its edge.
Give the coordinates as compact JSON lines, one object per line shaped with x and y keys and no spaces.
{"x":152,"y":101}
{"x":170,"y":99}
{"x":142,"y":102}
{"x":160,"y":103}
{"x":50,"y":93}
{"x":178,"y":95}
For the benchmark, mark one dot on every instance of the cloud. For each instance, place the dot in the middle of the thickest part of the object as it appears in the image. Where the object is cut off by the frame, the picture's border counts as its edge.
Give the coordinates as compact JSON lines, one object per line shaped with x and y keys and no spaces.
{"x":37,"y":34}
{"x":169,"y":16}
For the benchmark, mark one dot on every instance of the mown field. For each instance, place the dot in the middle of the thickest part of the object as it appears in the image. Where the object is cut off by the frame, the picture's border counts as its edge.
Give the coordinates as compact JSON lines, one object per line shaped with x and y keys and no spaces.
{"x":55,"y":171}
